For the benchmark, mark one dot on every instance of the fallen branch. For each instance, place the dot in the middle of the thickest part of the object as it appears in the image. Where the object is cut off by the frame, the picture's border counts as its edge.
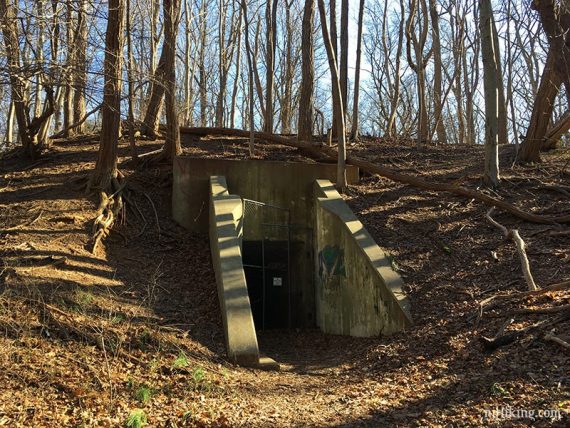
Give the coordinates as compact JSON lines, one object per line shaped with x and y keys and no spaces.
{"x":556,"y":339}
{"x":514,"y":235}
{"x":320,"y":149}
{"x":501,"y":339}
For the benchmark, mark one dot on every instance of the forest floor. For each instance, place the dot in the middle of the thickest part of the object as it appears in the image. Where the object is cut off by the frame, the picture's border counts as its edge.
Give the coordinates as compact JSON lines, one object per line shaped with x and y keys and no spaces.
{"x":133,"y":331}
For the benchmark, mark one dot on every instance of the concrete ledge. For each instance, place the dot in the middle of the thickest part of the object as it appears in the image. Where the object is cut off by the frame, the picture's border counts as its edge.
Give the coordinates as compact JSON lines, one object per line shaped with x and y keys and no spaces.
{"x":239,"y":330}
{"x":358,"y":292}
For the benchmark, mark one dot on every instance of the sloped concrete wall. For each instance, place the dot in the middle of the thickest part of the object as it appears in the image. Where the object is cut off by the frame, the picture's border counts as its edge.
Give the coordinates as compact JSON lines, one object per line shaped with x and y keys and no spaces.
{"x":225,"y":211}
{"x":357,"y":291}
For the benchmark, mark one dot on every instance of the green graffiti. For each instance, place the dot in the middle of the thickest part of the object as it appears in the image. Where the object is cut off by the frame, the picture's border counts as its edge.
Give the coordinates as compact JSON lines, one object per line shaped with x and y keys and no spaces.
{"x":331,"y":262}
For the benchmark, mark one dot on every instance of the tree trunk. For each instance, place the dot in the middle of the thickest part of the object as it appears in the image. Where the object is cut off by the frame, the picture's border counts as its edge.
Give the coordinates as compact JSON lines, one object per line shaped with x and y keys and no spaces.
{"x":70,"y":63}
{"x":80,"y":68}
{"x":9,"y":137}
{"x":337,"y":100}
{"x":344,"y":55}
{"x":334,"y":43}
{"x":271,"y":25}
{"x":354,"y":130}
{"x":202,"y":64}
{"x":250,"y":80}
{"x":106,"y":165}
{"x":305,"y":122}
{"x":172,"y":145}
{"x":543,"y":107}
{"x":130,"y":84}
{"x":490,"y":80}
{"x":286,"y":103}
{"x":156,"y":101}
{"x":437,"y":73}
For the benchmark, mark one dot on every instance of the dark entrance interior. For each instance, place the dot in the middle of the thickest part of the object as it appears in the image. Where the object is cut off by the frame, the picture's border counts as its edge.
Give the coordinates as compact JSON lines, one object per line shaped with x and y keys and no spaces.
{"x":266,"y":266}
{"x":266,"y":259}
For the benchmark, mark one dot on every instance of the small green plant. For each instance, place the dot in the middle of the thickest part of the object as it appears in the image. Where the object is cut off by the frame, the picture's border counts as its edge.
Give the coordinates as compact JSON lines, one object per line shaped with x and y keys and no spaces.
{"x":497,"y":389}
{"x":137,"y":419}
{"x":83,"y":298}
{"x":198,"y":375}
{"x":393,"y":262}
{"x":143,"y":393}
{"x":181,"y":361}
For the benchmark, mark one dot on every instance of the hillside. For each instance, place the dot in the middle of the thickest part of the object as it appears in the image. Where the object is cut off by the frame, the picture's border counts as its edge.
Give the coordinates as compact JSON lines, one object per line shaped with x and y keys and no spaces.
{"x":87,"y":339}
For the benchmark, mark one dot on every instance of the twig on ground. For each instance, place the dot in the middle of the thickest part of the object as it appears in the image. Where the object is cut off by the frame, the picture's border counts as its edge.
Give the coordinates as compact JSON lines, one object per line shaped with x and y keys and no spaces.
{"x":514,"y":235}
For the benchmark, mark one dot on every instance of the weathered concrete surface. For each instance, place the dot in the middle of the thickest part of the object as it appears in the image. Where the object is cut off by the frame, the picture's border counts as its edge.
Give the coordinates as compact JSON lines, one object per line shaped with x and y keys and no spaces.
{"x":225,"y":210}
{"x":239,"y":330}
{"x":358,"y":292}
{"x":287,"y":185}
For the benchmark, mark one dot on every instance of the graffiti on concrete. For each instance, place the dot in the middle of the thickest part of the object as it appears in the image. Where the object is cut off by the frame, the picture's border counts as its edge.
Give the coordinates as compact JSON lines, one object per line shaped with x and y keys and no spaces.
{"x":331,"y":263}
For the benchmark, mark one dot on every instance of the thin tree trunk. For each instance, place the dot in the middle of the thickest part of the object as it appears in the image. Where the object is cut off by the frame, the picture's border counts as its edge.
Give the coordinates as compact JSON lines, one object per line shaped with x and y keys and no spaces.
{"x":271,"y":26}
{"x":437,"y":73}
{"x":202,"y":65}
{"x":130,"y":84}
{"x":344,"y":55}
{"x":354,"y":130}
{"x":9,"y":137}
{"x":490,"y":79}
{"x":250,"y":80}
{"x":70,"y":63}
{"x":80,"y":67}
{"x":337,"y":100}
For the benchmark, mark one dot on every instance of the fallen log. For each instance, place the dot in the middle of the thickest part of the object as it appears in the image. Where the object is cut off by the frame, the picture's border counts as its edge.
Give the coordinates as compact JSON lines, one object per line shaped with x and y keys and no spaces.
{"x":319,"y":149}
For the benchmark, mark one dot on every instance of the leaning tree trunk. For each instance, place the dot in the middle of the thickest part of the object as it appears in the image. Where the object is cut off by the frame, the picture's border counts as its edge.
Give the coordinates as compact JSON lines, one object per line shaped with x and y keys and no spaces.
{"x":541,"y":112}
{"x":337,"y":101}
{"x":106,"y":165}
{"x":490,"y":80}
{"x":305,"y":122}
{"x":151,"y":119}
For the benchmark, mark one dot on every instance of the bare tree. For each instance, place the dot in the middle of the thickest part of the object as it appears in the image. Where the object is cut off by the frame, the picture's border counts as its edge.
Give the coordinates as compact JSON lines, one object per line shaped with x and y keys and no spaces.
{"x":337,"y":100}
{"x":490,"y":78}
{"x":106,"y":166}
{"x":305,"y":123}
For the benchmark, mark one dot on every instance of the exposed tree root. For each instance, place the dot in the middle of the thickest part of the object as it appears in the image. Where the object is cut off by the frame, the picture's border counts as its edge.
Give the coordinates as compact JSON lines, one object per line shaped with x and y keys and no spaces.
{"x":322,"y":150}
{"x":111,"y":208}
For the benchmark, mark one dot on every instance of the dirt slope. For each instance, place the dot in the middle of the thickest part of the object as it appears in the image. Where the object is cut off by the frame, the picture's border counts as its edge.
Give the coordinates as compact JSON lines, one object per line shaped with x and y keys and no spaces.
{"x":87,"y":339}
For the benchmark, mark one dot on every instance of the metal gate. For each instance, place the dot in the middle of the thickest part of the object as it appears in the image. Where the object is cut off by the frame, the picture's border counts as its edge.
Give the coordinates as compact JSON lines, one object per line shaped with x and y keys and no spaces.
{"x":266,"y":253}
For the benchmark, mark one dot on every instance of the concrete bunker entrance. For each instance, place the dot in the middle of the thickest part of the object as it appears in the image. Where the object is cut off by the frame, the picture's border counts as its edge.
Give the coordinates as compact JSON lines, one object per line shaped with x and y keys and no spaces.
{"x":287,"y":251}
{"x":273,"y":248}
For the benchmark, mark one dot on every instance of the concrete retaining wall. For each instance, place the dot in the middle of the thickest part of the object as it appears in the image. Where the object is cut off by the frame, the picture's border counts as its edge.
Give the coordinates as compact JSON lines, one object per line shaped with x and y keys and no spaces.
{"x":358,"y":293}
{"x":225,"y":211}
{"x":287,"y":185}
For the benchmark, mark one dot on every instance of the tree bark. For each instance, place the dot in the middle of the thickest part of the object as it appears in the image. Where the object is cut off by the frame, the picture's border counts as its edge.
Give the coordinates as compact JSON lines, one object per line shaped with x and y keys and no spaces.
{"x":354,"y":130}
{"x":490,"y":79}
{"x":337,"y":101}
{"x":106,"y":165}
{"x":305,"y":122}
{"x":543,"y":107}
{"x":172,"y":145}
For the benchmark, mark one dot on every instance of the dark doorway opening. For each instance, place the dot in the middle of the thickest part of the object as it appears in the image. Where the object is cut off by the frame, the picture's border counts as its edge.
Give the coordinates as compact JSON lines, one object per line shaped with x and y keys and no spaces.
{"x":266,"y":259}
{"x":266,"y":266}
